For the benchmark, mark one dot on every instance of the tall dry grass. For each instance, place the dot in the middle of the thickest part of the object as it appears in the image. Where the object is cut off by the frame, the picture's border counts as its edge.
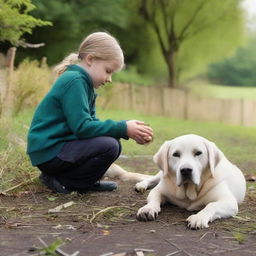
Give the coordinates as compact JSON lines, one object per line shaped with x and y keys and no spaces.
{"x":30,"y":82}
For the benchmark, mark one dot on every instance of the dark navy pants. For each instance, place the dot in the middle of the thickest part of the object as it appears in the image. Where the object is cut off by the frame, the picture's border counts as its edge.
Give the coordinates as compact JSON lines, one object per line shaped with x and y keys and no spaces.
{"x":82,"y":162}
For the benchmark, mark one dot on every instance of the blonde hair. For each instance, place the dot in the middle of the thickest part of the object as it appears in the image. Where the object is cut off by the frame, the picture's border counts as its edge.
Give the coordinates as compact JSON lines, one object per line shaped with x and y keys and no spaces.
{"x":100,"y":45}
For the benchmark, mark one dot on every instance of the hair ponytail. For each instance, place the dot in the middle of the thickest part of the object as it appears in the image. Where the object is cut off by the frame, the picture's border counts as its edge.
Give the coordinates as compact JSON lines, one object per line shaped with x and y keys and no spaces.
{"x":70,"y":59}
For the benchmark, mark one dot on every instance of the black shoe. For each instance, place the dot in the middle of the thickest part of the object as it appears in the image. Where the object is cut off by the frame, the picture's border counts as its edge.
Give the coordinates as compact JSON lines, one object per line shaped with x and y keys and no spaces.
{"x":104,"y":186}
{"x":53,"y":184}
{"x":100,"y":186}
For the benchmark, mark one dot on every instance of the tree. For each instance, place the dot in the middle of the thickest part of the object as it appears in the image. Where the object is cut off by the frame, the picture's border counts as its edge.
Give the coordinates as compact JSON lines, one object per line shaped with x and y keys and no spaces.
{"x":15,"y":20}
{"x":72,"y":21}
{"x":178,"y":22}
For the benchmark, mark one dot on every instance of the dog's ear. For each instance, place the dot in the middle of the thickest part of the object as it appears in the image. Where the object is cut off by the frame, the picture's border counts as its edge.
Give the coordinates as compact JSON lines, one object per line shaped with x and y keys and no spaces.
{"x":161,"y":157}
{"x":214,"y":155}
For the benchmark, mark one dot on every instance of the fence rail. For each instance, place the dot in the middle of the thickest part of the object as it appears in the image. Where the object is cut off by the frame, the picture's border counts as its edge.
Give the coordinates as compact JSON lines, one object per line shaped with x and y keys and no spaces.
{"x":180,"y":104}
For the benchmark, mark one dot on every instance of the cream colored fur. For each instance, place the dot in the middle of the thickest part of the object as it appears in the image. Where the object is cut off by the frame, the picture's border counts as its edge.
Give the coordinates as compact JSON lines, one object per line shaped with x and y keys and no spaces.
{"x":214,"y":186}
{"x":115,"y":171}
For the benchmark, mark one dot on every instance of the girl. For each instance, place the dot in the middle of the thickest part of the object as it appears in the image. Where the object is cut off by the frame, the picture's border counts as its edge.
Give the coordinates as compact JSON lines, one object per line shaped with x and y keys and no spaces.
{"x":66,"y":141}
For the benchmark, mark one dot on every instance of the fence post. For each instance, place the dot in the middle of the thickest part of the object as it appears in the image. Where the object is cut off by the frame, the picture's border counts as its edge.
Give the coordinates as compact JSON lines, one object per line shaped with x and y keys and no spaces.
{"x":242,"y":112}
{"x":186,"y":105}
{"x":7,"y":100}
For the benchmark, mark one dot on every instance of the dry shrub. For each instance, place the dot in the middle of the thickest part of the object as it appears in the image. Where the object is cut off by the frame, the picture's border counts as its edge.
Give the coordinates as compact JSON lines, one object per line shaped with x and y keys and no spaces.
{"x":30,"y":82}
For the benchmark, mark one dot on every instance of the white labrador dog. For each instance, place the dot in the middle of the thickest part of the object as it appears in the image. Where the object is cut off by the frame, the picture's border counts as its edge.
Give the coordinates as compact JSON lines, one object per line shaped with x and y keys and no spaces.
{"x":196,"y":176}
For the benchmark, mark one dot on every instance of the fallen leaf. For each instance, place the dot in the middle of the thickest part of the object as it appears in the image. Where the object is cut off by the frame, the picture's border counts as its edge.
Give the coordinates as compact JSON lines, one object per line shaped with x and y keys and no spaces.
{"x":52,"y":198}
{"x":105,"y":232}
{"x":250,"y":177}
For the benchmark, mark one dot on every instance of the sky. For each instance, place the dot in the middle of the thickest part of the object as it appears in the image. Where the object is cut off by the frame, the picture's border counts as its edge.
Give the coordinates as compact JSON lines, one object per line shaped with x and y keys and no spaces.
{"x":250,"y":7}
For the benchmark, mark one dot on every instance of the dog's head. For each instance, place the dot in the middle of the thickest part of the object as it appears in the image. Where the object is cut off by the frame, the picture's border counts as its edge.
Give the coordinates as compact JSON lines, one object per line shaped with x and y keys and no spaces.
{"x":188,"y":157}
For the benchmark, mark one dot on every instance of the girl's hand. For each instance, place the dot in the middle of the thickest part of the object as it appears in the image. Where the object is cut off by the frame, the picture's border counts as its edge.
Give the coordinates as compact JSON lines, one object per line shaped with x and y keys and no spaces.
{"x":139,"y":131}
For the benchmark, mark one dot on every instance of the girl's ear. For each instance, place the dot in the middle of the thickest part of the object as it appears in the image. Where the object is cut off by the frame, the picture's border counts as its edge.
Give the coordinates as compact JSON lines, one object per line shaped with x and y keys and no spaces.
{"x":161,"y":157}
{"x":88,"y":59}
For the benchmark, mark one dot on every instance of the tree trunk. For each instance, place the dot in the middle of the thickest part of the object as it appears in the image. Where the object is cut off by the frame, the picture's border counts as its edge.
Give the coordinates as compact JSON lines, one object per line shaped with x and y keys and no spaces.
{"x":172,"y":74}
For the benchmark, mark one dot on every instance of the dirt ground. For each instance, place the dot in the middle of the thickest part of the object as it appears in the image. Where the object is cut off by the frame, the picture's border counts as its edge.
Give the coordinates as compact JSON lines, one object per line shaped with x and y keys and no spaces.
{"x":104,"y":223}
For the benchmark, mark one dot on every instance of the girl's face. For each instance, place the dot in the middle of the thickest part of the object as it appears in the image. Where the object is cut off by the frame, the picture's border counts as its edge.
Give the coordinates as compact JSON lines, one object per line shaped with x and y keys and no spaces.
{"x":100,"y":71}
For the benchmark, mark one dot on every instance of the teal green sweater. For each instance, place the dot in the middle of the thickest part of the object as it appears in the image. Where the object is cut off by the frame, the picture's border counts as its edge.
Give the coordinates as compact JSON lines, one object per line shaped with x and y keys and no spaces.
{"x":68,"y":113}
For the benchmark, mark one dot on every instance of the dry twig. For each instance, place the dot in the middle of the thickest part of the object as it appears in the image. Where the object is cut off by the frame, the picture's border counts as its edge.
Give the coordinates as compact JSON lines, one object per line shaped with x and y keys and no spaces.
{"x":60,"y":207}
{"x":177,"y":247}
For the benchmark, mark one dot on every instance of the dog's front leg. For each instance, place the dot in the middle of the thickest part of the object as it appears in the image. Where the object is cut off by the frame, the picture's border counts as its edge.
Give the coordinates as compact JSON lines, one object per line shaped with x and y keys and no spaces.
{"x":223,"y":208}
{"x":148,"y":183}
{"x":151,"y":210}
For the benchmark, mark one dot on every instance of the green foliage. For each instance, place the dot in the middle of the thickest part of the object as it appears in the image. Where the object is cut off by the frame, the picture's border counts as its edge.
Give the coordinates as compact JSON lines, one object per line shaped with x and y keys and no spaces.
{"x":50,"y":250}
{"x":15,"y":20}
{"x":140,"y":44}
{"x":131,"y":76}
{"x":214,"y":32}
{"x":112,"y":14}
{"x":72,"y":21}
{"x":238,"y":70}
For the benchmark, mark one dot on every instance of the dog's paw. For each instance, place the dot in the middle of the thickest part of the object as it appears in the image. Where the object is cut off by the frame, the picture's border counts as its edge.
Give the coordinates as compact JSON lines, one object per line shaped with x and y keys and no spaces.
{"x":141,"y":187}
{"x":147,"y":213}
{"x":198,"y":221}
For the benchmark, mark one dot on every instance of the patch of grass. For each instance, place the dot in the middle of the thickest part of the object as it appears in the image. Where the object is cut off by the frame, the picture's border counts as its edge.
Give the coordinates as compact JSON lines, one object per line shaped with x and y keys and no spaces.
{"x":50,"y":250}
{"x":117,"y":214}
{"x":15,"y":166}
{"x":239,"y":237}
{"x":203,"y":88}
{"x":238,"y":143}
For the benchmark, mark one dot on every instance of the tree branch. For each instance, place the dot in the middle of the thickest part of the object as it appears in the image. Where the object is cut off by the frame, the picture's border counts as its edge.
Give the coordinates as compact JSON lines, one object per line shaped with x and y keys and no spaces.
{"x":29,"y":45}
{"x":207,"y":26}
{"x":151,"y":18}
{"x":165,"y":15}
{"x":182,"y":35}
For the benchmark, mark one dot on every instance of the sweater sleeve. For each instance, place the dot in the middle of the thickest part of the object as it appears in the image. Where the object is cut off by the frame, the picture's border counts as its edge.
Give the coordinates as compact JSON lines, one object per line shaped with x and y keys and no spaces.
{"x":76,"y":109}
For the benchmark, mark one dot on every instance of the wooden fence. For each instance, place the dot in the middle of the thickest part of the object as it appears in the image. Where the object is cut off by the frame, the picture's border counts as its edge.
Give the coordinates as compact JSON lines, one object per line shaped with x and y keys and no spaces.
{"x":180,"y":104}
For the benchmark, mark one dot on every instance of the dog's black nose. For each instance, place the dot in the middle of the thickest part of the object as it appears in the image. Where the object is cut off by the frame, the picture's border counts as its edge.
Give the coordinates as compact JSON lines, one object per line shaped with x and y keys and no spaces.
{"x":186,"y":172}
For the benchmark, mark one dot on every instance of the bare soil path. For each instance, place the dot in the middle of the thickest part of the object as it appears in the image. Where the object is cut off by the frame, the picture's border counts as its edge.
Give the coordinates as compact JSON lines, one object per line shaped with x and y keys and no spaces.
{"x":105,"y":224}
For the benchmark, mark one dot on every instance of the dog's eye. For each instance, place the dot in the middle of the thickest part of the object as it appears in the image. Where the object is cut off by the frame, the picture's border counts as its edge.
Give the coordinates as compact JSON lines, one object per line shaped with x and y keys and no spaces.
{"x":176,"y":154}
{"x":198,"y":153}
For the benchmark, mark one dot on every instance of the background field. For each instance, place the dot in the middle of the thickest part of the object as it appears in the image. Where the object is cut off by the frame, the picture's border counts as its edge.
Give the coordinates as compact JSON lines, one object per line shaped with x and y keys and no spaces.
{"x":203,"y":88}
{"x":238,"y":143}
